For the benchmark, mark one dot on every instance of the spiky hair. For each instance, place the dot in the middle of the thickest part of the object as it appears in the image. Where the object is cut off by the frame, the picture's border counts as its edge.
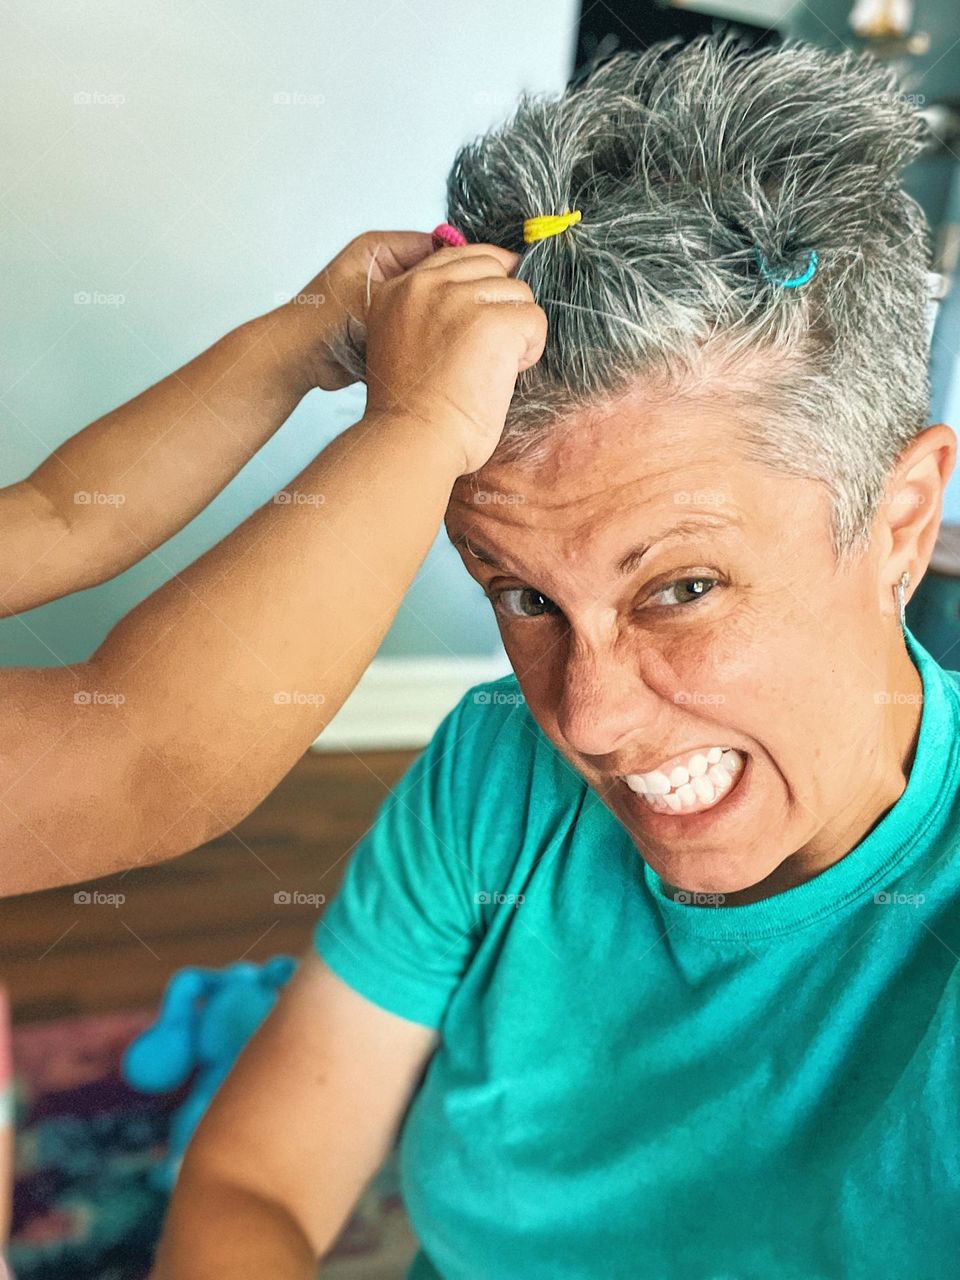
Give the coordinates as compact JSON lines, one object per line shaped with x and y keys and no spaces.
{"x":686,"y":161}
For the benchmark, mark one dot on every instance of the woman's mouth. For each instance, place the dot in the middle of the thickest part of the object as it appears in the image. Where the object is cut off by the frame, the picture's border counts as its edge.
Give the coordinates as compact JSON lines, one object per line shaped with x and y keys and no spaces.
{"x":689,"y":784}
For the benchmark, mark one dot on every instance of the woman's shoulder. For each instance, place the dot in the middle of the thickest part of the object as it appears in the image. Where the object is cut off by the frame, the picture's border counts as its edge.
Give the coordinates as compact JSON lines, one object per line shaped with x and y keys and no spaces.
{"x":508,"y":774}
{"x":494,"y":731}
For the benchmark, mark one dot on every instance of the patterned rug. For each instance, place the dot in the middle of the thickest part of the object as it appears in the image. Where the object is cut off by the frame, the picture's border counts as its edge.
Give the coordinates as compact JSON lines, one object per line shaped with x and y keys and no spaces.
{"x":84,"y":1207}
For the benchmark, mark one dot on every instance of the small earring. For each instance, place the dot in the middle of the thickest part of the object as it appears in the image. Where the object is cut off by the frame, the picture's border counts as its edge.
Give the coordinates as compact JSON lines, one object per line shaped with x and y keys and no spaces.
{"x":901,"y":604}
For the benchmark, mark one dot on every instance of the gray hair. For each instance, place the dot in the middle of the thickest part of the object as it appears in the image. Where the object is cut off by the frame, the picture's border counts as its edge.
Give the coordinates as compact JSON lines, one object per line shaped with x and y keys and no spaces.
{"x":685,"y":160}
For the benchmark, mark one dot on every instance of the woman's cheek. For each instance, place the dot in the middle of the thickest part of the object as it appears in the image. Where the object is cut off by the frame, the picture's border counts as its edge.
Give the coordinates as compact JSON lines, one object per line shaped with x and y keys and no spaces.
{"x":531,"y":649}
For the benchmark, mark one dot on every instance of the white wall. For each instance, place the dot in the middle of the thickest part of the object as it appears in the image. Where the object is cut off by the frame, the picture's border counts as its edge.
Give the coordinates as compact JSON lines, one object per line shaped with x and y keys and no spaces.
{"x":145,"y":155}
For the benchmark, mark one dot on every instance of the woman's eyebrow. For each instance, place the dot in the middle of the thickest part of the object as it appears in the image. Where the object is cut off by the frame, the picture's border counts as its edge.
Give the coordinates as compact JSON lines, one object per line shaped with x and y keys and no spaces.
{"x":629,"y":562}
{"x":478,"y":554}
{"x":693,"y":524}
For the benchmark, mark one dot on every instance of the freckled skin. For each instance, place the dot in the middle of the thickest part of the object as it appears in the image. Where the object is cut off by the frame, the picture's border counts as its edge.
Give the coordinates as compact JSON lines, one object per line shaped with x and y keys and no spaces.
{"x":784,"y":658}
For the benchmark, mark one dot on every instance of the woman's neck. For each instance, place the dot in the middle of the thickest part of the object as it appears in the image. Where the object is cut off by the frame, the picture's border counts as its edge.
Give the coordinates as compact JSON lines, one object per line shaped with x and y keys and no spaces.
{"x":881,"y":791}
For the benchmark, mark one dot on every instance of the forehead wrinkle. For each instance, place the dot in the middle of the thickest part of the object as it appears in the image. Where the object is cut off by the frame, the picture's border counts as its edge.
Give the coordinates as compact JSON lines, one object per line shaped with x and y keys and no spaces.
{"x":605,"y":506}
{"x":692,"y":523}
{"x":666,"y":477}
{"x":584,"y":506}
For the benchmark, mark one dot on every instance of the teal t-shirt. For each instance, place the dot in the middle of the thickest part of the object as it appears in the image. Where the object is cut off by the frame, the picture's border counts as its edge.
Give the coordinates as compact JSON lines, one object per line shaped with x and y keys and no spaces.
{"x":628,"y":1087}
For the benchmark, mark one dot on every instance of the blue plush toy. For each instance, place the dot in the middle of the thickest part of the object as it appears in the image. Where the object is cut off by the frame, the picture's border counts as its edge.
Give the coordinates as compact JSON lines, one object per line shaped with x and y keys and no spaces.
{"x":206,"y":1018}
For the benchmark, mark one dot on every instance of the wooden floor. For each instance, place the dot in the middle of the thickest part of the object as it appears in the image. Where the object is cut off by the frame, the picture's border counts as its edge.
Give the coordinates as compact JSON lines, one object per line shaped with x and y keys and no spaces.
{"x":211,"y":907}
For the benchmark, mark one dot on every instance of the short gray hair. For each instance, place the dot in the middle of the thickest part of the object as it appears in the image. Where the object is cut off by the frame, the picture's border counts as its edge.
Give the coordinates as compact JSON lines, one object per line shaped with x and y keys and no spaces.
{"x":686,"y":160}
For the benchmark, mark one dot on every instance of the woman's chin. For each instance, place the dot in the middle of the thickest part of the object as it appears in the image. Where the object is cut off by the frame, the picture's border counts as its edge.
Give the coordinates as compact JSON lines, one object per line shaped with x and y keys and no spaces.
{"x":714,"y":875}
{"x":707,"y":852}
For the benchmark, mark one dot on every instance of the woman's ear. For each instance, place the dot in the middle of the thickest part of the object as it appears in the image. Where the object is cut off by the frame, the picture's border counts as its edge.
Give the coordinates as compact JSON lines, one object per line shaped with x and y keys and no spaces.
{"x":913,"y":506}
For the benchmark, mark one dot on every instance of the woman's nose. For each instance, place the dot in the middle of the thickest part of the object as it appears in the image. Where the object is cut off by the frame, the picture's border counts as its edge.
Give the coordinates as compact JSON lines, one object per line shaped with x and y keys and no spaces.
{"x":604,"y":702}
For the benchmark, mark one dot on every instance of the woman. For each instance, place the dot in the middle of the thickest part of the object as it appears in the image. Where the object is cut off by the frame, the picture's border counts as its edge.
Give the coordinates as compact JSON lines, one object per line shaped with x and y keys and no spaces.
{"x":653,"y":955}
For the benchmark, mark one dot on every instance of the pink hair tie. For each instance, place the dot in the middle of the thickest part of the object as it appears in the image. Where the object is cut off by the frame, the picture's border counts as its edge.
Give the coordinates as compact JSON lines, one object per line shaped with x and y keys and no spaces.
{"x":444,"y":235}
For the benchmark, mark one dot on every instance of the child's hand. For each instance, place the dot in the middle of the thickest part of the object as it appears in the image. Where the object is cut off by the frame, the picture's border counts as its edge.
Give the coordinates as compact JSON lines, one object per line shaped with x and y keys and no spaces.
{"x":324,"y":310}
{"x":445,"y":342}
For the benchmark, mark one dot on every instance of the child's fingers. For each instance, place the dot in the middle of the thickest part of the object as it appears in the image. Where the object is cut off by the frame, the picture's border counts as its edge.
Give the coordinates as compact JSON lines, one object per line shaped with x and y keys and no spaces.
{"x":527,"y":320}
{"x":397,"y":251}
{"x":507,"y":260}
{"x":495,"y":288}
{"x":462,"y":263}
{"x":476,"y":266}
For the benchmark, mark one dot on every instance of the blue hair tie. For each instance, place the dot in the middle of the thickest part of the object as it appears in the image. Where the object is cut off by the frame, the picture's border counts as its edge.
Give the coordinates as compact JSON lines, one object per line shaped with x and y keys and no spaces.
{"x":793,"y":282}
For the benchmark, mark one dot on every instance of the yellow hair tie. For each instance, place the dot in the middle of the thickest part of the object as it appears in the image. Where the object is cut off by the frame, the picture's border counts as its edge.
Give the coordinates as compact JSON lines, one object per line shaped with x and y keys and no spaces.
{"x":550,"y":225}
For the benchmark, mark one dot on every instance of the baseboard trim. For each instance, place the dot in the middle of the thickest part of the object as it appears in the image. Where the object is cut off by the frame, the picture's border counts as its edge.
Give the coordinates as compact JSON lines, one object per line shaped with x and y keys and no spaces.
{"x":399,"y":702}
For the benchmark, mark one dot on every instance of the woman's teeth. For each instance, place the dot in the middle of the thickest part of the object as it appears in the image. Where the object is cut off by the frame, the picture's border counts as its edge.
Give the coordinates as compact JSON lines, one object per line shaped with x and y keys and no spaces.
{"x":690,"y":786}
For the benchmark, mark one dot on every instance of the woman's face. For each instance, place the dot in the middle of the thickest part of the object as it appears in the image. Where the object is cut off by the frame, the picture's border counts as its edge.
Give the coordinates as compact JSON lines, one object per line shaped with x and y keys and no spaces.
{"x":731,"y":629}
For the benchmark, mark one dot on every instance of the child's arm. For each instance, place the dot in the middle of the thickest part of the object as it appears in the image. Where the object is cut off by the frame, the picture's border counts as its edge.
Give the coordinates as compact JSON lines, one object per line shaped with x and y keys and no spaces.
{"x":300,"y":1126}
{"x":199,"y":701}
{"x":132,"y":479}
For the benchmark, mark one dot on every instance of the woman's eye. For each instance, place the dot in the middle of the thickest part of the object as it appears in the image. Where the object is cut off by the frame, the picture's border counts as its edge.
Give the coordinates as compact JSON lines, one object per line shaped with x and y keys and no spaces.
{"x":527,"y":602}
{"x":697,"y":587}
{"x":523,"y":602}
